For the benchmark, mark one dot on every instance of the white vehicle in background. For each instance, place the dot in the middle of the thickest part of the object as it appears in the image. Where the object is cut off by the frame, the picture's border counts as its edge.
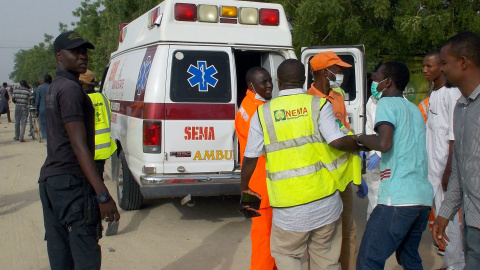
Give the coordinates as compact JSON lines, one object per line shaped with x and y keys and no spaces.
{"x":175,"y":84}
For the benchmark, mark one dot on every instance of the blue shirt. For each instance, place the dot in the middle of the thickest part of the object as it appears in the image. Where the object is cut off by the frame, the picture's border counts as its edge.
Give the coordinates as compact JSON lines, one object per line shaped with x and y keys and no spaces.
{"x":40,"y":99}
{"x":403,"y":169}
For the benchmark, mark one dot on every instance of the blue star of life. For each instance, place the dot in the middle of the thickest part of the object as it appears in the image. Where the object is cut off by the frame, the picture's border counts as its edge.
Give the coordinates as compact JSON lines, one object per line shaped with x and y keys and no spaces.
{"x":202,"y":76}
{"x":142,"y":78}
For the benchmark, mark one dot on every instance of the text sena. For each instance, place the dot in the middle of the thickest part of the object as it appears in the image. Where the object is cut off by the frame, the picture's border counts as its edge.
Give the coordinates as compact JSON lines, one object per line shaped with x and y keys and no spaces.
{"x":199,"y":133}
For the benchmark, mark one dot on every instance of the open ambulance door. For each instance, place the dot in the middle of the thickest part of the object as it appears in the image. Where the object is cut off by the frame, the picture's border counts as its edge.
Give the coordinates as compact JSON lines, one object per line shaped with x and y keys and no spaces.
{"x":354,"y":82}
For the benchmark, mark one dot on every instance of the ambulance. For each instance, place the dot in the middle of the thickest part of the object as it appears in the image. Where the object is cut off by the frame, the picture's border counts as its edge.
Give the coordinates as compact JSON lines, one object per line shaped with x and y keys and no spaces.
{"x":176,"y":82}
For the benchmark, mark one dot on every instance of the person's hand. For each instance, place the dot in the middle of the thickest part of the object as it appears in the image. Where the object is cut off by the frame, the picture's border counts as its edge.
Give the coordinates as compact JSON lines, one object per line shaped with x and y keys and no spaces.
{"x":362,"y":191}
{"x":251,"y":192}
{"x":373,"y":161}
{"x":108,"y":211}
{"x":438,"y":231}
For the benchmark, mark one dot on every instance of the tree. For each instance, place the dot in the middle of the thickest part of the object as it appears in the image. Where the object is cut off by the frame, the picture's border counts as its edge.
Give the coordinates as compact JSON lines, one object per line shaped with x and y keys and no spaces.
{"x":99,"y":23}
{"x":400,"y":27}
{"x":31,"y":65}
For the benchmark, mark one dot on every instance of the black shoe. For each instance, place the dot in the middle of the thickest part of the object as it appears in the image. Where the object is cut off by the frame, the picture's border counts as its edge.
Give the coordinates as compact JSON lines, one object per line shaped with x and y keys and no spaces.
{"x":15,"y":138}
{"x":22,"y":140}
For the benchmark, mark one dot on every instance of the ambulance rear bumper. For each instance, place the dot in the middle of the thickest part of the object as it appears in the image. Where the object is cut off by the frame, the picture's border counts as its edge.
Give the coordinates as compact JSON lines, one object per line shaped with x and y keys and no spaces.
{"x":177,"y":185}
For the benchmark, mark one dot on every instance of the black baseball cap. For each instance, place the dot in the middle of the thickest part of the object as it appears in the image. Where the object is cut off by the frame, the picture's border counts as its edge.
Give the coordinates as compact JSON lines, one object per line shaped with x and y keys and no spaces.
{"x":70,"y":40}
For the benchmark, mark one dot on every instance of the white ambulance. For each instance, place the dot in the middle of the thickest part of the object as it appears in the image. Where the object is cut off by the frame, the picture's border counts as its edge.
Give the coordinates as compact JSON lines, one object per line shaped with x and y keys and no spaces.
{"x":176,"y":82}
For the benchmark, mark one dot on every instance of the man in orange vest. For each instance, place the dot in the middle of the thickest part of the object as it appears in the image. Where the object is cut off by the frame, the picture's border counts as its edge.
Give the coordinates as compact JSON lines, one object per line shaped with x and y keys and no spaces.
{"x":326,"y":68}
{"x":259,"y":91}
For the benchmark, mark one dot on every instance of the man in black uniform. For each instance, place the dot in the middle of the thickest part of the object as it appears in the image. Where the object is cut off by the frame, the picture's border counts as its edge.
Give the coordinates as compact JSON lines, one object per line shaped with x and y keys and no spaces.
{"x":74,"y":198}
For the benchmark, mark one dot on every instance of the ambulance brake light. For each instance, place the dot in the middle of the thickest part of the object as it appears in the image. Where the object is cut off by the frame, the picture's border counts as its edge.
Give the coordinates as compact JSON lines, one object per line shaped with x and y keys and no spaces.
{"x":207,"y":13}
{"x":185,"y":12}
{"x":269,"y":16}
{"x":152,"y":136}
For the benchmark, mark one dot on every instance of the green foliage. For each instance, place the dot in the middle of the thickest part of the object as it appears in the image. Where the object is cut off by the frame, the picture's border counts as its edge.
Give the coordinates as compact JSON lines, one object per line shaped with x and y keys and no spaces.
{"x":31,"y":65}
{"x":399,"y":27}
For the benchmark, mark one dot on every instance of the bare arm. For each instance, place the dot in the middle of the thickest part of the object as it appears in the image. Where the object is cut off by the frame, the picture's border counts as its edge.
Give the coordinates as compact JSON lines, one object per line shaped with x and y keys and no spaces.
{"x":345,"y":144}
{"x":77,"y":135}
{"x":383,"y":142}
{"x":248,"y":167}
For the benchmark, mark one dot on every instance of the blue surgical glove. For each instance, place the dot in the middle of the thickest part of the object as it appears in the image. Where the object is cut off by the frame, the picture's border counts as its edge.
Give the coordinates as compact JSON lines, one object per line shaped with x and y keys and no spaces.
{"x":373,"y":161}
{"x":362,"y":155}
{"x":362,"y":189}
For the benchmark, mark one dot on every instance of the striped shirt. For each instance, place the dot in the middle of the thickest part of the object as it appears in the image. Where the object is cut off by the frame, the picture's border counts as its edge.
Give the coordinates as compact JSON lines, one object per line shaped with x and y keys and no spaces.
{"x":464,"y":186}
{"x":22,"y":97}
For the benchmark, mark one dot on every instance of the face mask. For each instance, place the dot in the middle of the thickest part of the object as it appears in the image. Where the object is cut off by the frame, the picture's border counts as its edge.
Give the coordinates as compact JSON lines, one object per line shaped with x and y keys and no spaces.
{"x":338,"y":80}
{"x":375,"y":93}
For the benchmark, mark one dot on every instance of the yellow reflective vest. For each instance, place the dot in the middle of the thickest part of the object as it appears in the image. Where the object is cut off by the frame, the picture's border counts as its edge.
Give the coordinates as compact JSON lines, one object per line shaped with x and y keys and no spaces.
{"x":104,"y":145}
{"x":301,"y":167}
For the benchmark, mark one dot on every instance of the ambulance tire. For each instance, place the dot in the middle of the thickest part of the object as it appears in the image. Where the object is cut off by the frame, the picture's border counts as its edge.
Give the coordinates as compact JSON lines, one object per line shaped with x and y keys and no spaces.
{"x":128,"y":190}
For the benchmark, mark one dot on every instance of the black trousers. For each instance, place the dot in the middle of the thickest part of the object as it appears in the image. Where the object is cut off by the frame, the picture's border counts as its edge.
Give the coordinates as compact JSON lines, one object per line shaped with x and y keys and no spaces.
{"x":69,"y":247}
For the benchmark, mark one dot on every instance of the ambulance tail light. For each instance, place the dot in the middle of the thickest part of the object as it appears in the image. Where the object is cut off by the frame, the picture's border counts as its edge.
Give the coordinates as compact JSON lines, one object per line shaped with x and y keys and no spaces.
{"x":152,"y":136}
{"x":185,"y":12}
{"x":123,"y":31}
{"x":154,"y":18}
{"x":269,"y":16}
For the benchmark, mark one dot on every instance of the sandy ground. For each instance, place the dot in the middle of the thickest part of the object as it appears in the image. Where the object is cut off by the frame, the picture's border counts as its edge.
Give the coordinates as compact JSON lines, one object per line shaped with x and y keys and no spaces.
{"x":162,"y":235}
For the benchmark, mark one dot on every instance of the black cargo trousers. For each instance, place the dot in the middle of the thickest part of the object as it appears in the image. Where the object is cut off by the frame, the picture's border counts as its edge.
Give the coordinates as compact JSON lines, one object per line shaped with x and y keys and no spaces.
{"x":70,"y":243}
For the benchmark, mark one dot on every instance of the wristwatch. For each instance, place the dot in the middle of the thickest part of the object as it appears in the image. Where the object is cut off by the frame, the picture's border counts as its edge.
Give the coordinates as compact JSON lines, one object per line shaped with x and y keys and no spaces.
{"x":102,"y":197}
{"x":356,"y":139}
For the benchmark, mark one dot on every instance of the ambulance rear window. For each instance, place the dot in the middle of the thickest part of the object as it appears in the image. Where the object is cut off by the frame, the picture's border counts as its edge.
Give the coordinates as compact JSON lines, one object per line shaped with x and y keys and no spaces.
{"x":200,"y":76}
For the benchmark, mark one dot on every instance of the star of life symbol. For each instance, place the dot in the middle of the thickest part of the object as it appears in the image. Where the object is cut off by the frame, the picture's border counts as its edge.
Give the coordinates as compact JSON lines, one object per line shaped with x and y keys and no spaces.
{"x":142,"y":79}
{"x":202,"y":76}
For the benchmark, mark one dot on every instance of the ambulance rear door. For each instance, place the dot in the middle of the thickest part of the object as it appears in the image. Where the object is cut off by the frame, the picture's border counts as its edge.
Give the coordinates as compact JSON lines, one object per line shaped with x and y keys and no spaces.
{"x":200,"y":111}
{"x":354,"y":82}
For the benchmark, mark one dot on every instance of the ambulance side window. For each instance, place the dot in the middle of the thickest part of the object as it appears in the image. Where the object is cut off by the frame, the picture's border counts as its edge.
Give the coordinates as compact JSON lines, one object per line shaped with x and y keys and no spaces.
{"x":200,"y":76}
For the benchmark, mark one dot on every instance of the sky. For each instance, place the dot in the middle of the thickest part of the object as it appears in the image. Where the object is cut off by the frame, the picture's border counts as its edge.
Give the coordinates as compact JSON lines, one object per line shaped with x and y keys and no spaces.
{"x":24,"y":23}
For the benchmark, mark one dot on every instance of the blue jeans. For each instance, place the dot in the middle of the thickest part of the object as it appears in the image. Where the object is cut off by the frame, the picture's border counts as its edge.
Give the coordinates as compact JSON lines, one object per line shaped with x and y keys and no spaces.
{"x":393,"y":229}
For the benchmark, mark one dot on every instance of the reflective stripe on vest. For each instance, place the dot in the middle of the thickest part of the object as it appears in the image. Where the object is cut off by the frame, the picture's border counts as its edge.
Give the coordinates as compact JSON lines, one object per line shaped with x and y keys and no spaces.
{"x":104,"y":145}
{"x":301,"y":167}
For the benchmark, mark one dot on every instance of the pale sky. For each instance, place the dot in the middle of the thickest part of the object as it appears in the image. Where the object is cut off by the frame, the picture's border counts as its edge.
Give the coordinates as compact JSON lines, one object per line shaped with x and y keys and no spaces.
{"x":24,"y":23}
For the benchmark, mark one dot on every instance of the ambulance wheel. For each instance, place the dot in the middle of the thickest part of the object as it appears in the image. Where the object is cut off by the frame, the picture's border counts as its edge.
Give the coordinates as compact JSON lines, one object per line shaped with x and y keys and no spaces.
{"x":128,"y":190}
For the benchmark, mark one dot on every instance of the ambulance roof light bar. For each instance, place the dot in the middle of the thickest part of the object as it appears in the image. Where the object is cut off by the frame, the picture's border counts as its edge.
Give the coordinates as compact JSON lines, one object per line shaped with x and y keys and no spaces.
{"x":226,"y":14}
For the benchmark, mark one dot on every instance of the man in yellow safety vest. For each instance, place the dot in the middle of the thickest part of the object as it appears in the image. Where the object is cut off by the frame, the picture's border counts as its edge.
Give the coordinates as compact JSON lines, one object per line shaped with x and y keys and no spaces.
{"x":104,"y":145}
{"x":305,"y":157}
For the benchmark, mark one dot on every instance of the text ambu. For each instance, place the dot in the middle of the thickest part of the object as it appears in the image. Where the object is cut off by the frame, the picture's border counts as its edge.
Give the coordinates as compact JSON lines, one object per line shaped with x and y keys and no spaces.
{"x":214,"y":155}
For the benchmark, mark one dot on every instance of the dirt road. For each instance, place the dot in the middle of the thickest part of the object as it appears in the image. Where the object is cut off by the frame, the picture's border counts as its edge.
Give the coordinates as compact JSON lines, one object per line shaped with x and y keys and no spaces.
{"x":162,"y":235}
